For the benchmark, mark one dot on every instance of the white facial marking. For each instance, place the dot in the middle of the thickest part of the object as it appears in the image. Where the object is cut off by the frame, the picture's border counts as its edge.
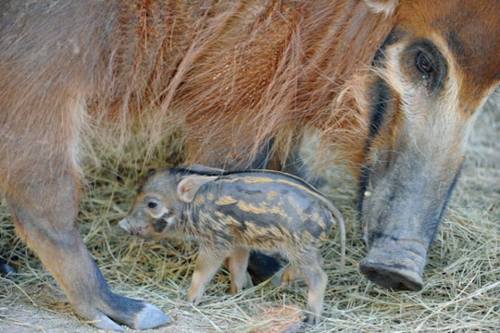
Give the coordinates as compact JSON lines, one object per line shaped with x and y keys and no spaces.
{"x":171,"y":220}
{"x":161,"y":211}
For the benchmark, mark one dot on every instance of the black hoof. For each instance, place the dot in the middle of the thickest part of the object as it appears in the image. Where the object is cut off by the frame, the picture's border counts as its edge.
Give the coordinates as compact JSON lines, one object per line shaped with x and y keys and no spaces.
{"x":5,"y":269}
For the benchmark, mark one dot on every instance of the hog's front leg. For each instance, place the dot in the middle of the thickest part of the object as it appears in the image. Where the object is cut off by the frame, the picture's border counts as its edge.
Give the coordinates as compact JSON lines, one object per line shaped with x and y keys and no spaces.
{"x":207,"y":264}
{"x":44,"y":211}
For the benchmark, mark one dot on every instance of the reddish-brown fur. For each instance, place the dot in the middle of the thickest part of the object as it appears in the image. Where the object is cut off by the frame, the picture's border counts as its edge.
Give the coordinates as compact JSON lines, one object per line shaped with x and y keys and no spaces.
{"x":225,"y":88}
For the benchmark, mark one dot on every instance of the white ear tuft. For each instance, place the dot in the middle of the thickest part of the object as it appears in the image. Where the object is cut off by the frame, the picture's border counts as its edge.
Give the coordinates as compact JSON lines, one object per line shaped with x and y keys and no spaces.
{"x":386,"y":7}
{"x":187,"y":187}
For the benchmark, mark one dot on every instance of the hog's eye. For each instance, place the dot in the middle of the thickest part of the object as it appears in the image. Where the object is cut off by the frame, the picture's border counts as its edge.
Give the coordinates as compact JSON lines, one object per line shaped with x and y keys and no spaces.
{"x":424,"y":63}
{"x":152,"y":204}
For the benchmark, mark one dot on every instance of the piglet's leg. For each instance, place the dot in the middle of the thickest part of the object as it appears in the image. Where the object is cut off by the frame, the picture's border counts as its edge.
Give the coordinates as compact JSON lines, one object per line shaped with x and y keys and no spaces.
{"x":237,"y":265}
{"x":291,"y":274}
{"x":316,"y":280}
{"x":294,"y":273}
{"x":207,"y":264}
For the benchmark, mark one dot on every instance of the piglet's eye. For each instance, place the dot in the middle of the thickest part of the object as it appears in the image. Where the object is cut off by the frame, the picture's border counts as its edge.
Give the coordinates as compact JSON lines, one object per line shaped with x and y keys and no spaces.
{"x":152,"y":204}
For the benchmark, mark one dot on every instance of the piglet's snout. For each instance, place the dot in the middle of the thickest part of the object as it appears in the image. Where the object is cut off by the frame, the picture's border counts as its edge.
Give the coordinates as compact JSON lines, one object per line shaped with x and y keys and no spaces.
{"x":130,"y":228}
{"x":124,"y":225}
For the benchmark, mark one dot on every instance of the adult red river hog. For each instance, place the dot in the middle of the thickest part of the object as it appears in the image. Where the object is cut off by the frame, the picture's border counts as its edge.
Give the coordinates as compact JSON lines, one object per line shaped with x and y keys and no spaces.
{"x":392,"y":86}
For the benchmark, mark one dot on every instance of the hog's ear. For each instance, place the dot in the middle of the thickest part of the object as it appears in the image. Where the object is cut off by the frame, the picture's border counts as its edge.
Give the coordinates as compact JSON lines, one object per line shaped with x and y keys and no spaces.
{"x":386,"y":7}
{"x":187,"y":187}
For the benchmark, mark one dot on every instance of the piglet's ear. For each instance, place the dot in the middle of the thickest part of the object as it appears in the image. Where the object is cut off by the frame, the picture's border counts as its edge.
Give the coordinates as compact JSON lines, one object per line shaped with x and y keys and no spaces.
{"x":386,"y":7}
{"x":187,"y":187}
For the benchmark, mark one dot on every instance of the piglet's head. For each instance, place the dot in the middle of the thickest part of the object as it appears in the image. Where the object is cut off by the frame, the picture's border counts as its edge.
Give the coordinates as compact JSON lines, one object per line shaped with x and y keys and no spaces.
{"x":159,"y":209}
{"x":151,"y":217}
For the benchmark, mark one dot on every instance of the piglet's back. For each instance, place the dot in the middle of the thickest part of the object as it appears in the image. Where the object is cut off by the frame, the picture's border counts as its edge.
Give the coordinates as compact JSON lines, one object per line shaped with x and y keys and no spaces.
{"x":263,"y":205}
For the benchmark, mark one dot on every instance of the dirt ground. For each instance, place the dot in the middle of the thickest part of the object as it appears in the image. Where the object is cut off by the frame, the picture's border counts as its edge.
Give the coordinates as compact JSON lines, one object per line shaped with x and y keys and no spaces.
{"x":462,"y":279}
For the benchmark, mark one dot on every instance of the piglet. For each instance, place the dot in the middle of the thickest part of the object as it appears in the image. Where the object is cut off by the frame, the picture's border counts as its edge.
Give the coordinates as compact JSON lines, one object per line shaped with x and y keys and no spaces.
{"x":230,"y":213}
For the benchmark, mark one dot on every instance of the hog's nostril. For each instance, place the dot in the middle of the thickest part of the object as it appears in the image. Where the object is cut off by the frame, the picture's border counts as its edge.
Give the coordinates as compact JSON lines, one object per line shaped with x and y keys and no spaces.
{"x":391,"y":277}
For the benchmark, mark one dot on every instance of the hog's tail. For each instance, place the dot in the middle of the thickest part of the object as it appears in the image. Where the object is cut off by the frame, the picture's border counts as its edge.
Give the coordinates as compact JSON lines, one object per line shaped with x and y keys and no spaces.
{"x":340,"y":221}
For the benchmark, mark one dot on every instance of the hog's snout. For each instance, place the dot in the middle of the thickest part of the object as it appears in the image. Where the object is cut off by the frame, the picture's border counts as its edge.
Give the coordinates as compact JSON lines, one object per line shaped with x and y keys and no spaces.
{"x":395,"y":264}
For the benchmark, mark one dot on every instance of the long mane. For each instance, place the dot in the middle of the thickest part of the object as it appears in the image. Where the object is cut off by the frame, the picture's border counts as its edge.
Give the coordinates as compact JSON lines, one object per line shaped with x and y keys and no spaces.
{"x":234,"y":74}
